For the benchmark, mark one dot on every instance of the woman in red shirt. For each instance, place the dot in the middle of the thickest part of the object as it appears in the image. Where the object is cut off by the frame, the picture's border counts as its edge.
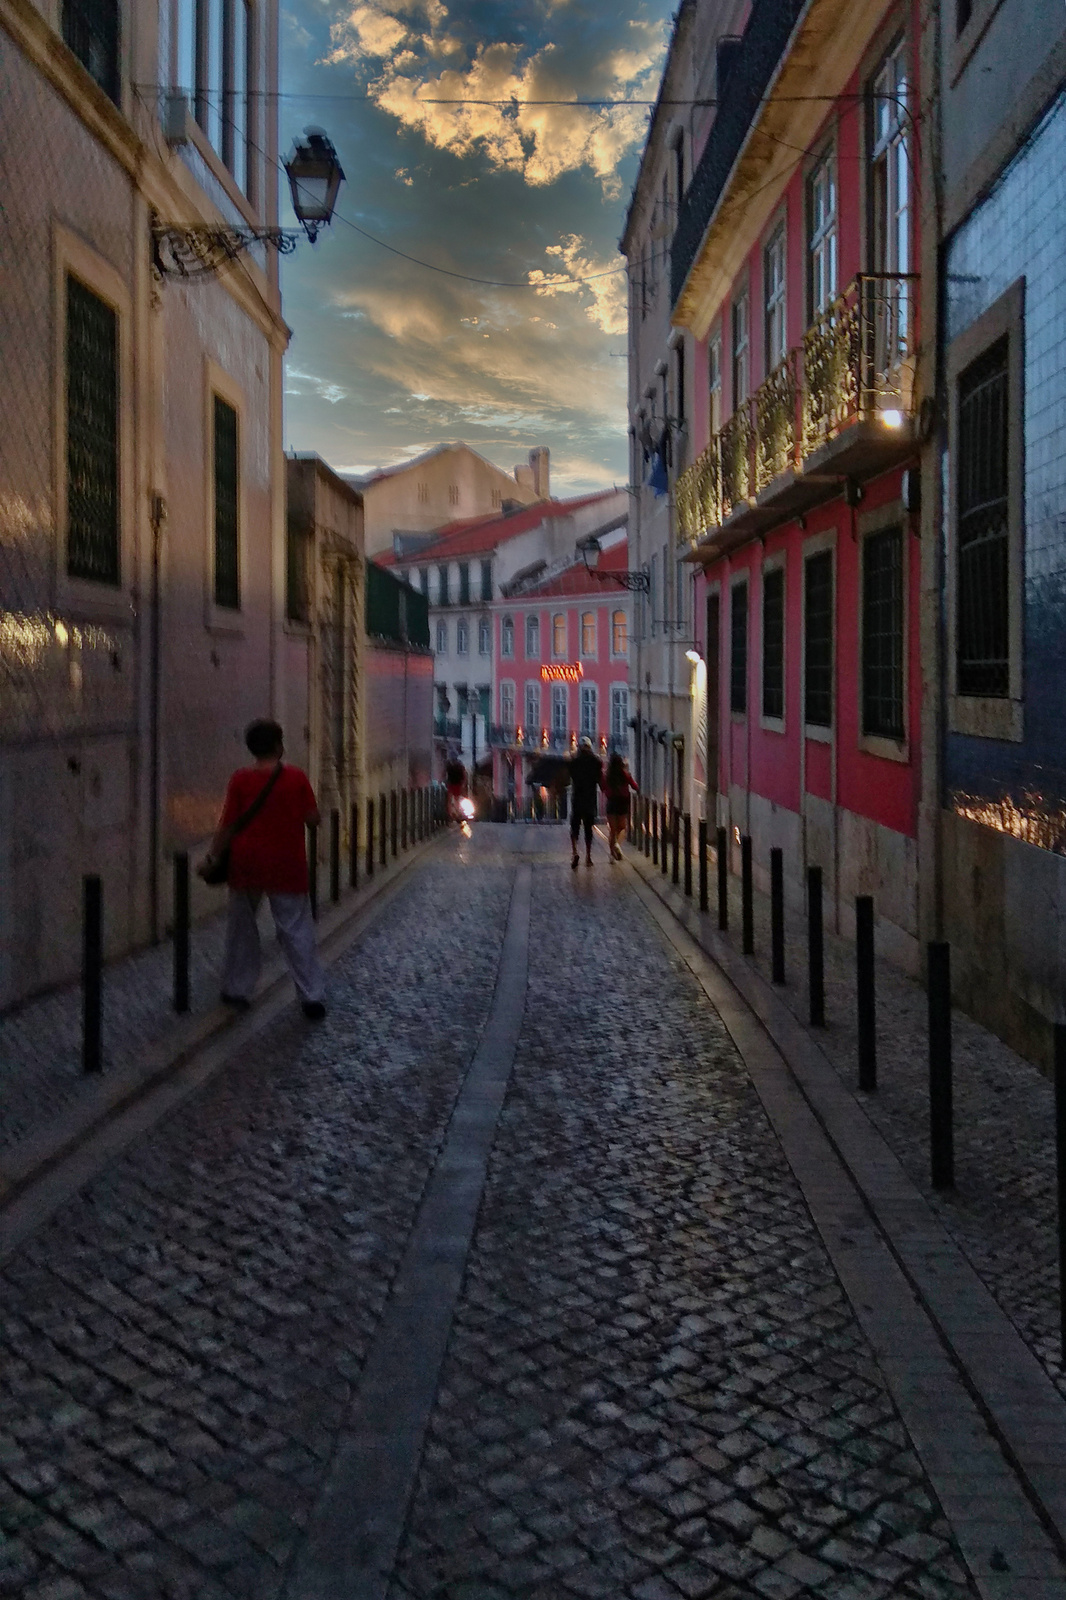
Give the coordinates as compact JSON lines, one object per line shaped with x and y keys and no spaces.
{"x":617,"y":782}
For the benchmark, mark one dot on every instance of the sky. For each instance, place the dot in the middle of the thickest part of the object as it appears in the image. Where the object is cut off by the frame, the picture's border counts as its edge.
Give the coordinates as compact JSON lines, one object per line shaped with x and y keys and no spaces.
{"x":388,"y":358}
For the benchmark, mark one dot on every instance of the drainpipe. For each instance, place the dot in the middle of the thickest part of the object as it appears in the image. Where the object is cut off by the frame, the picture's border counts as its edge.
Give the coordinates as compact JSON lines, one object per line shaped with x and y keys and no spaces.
{"x":158,"y":519}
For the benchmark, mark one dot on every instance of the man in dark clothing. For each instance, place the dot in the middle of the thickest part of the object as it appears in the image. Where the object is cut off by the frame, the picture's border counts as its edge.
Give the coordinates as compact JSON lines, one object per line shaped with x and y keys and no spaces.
{"x":586,"y":776}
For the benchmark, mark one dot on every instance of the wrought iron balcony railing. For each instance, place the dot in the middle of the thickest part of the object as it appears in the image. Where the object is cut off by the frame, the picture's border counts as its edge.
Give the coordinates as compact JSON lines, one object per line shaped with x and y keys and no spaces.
{"x":855,"y":365}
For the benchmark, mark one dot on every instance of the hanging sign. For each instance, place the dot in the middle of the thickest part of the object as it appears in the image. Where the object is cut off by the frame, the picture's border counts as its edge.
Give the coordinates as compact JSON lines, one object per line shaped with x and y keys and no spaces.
{"x":562,"y":672}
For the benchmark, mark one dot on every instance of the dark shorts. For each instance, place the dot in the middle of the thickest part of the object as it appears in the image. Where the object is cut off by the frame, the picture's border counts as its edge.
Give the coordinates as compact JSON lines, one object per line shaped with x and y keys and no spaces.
{"x":617,"y":805}
{"x":582,"y":817}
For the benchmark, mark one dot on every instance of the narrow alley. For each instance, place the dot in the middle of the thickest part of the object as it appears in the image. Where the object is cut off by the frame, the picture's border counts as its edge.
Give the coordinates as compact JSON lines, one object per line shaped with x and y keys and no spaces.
{"x":461,"y":1297}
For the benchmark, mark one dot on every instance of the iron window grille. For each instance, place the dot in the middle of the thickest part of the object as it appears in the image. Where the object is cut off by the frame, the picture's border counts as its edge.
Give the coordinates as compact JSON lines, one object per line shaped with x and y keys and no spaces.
{"x":738,"y":650}
{"x":882,"y":634}
{"x":773,"y":643}
{"x":818,"y":640}
{"x":91,"y":30}
{"x":227,"y":496}
{"x":983,"y":527}
{"x":92,"y":436}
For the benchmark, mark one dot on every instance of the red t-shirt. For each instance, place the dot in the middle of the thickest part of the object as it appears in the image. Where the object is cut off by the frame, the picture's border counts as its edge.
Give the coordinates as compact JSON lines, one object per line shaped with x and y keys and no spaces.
{"x":270,"y":854}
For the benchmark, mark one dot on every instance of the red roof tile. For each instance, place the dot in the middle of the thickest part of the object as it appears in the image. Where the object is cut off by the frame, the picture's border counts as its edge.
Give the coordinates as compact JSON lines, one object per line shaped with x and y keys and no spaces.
{"x":577,"y":580}
{"x":481,"y":535}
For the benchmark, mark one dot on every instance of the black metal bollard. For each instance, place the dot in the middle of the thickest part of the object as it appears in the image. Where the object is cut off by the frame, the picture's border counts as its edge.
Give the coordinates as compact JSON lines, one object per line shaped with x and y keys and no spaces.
{"x":92,"y":974}
{"x":941,"y":1130}
{"x":865,"y":985}
{"x":370,"y":838}
{"x":334,"y":856}
{"x":777,"y":915}
{"x":403,"y":819}
{"x":747,"y":898}
{"x":654,"y":834}
{"x":815,"y":949}
{"x":702,"y":853}
{"x":647,"y":828}
{"x":394,"y":823}
{"x":665,"y":831}
{"x":312,"y":867}
{"x":1058,"y":1036}
{"x":722,"y":837}
{"x":675,"y":844}
{"x":353,"y":846}
{"x":688,"y":854}
{"x":383,"y":831}
{"x":181,"y":930}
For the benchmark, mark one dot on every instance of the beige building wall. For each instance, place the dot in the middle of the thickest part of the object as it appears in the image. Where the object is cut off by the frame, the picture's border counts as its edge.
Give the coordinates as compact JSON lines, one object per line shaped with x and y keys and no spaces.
{"x":444,"y":484}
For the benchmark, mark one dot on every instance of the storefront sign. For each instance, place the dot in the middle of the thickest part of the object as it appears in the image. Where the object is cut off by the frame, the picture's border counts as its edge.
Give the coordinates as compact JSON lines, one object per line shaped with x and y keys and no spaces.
{"x":562,"y":672}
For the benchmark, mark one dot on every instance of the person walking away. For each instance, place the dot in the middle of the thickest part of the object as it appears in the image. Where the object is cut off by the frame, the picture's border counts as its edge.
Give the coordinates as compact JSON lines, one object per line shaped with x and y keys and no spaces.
{"x":267,"y":810}
{"x":455,"y":780}
{"x":586,"y":777}
{"x":616,"y":786}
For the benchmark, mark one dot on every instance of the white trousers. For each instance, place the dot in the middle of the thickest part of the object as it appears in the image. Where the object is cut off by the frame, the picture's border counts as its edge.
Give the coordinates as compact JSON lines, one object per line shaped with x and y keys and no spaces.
{"x":296,"y":935}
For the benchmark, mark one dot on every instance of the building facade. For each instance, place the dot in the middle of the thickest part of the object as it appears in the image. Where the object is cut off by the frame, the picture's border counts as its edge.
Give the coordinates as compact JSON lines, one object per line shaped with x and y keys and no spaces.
{"x":142,"y":538}
{"x":994,"y":805}
{"x":405,"y":504}
{"x":562,"y":660}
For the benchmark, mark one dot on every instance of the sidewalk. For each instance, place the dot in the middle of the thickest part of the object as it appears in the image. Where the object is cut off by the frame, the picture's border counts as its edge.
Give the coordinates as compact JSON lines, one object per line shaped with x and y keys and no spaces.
{"x":1002,"y":1213}
{"x":47,"y":1102}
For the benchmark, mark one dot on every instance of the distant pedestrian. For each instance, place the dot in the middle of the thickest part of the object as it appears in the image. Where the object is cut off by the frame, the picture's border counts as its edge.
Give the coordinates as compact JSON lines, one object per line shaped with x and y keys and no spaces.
{"x":455,"y":782}
{"x":617,"y":784}
{"x":586,"y":776}
{"x":267,"y":809}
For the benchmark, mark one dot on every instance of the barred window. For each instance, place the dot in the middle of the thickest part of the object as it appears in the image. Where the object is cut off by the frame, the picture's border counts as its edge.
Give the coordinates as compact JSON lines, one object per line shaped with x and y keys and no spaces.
{"x":882,"y":634}
{"x":738,"y":650}
{"x":983,"y":576}
{"x":92,"y":436}
{"x":818,"y":640}
{"x":91,"y":29}
{"x":773,"y":642}
{"x":227,"y":497}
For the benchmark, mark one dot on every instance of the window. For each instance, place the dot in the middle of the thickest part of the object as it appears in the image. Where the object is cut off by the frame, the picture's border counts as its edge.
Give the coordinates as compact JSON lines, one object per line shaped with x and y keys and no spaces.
{"x":773,"y":642}
{"x":714,"y":383}
{"x":681,"y":586}
{"x":507,"y":637}
{"x":890,"y":203}
{"x":963,"y":13}
{"x":442,"y":638}
{"x":822,"y":234}
{"x":619,"y":713}
{"x":559,"y":708}
{"x":882,"y":634}
{"x":227,"y":498}
{"x":215,"y":60}
{"x":92,"y":436}
{"x":532,"y":705}
{"x":653,"y":591}
{"x":588,"y":633}
{"x":818,"y":640}
{"x":484,"y":637}
{"x":464,"y":583}
{"x":559,"y":636}
{"x":462,"y":637}
{"x":91,"y":29}
{"x":486,"y":580}
{"x":679,"y":381}
{"x":666,"y":586}
{"x":741,"y":350}
{"x":453,"y":494}
{"x":982,"y":585}
{"x":507,"y":704}
{"x":533,"y":637}
{"x":442,"y":585}
{"x":423,"y":580}
{"x":619,"y":633}
{"x":775,"y":331}
{"x":588,"y":709}
{"x":423,"y":494}
{"x":738,"y":650}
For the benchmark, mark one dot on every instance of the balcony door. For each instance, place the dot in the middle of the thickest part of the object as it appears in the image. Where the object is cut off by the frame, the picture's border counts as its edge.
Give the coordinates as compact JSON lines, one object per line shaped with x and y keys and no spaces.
{"x":890,"y":203}
{"x":712,"y":653}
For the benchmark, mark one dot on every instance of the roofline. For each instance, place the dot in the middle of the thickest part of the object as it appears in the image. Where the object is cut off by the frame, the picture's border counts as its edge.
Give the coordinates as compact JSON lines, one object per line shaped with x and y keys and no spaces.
{"x":324,"y":470}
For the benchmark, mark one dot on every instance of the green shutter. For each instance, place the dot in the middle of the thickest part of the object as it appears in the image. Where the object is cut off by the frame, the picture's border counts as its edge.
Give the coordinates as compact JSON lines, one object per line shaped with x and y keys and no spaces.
{"x":227,"y":493}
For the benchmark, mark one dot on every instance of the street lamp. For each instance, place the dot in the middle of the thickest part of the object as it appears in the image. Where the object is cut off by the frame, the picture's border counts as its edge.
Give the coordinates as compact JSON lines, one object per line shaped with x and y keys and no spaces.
{"x":315,"y":177}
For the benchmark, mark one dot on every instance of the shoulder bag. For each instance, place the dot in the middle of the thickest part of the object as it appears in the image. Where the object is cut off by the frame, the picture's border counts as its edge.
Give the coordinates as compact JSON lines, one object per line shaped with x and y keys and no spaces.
{"x":215,"y":869}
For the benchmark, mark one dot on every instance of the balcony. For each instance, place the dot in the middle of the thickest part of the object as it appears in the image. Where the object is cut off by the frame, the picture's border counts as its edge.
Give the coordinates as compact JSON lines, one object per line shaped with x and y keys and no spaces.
{"x":448,"y":728}
{"x":841,"y":405}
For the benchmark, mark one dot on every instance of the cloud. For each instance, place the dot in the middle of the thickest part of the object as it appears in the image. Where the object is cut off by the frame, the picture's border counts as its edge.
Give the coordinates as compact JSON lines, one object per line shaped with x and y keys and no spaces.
{"x":396,"y":45}
{"x":603,"y":287}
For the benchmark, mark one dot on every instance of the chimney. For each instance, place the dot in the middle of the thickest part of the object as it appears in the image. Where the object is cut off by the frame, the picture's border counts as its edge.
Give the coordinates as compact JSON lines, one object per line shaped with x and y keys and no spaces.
{"x":523,"y":476}
{"x":539,"y":461}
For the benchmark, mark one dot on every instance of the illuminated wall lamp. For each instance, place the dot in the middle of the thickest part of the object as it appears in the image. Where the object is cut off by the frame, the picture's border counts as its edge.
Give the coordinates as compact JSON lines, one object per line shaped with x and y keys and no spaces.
{"x":892,"y":418}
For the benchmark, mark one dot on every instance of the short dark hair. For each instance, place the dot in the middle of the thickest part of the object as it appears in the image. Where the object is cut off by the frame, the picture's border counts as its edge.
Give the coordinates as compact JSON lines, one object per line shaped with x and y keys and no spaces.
{"x":263,"y":737}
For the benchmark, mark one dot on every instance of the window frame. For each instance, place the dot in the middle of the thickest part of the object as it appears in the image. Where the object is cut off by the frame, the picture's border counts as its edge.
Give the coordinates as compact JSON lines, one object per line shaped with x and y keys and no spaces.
{"x":113,"y":87}
{"x":464,"y":583}
{"x":588,"y":695}
{"x":108,"y":582}
{"x":715,"y":406}
{"x":508,"y":685}
{"x":484,"y":636}
{"x":443,"y":584}
{"x":773,"y":564}
{"x":869,"y":525}
{"x":739,"y":581}
{"x":980,"y":716}
{"x":531,"y":633}
{"x":588,"y":619}
{"x":777,"y":305}
{"x":619,"y":689}
{"x":486,"y":582}
{"x":560,"y":696}
{"x":224,"y":619}
{"x":507,"y":646}
{"x":740,"y":350}
{"x":531,"y":692}
{"x":623,"y":653}
{"x":557,"y":618}
{"x":462,"y":636}
{"x":820,"y":544}
{"x":825,"y":158}
{"x":442,"y":629}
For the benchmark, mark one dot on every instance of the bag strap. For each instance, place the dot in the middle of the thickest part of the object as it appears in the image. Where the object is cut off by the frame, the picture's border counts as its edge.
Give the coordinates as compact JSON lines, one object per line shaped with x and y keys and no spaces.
{"x":251,"y":812}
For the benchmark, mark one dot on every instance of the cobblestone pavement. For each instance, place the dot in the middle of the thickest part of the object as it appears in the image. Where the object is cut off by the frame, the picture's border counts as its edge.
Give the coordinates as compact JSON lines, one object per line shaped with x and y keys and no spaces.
{"x":655,"y":1386}
{"x":40,"y":1043}
{"x":1003,"y":1211}
{"x":179,"y":1344}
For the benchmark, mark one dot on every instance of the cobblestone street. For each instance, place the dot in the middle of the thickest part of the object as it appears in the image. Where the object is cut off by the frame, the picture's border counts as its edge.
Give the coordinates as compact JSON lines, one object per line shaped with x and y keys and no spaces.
{"x":654,"y":1383}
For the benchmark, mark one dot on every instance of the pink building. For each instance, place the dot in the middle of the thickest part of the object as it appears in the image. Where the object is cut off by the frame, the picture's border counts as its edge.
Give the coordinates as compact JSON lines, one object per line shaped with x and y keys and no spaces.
{"x":561,"y":668}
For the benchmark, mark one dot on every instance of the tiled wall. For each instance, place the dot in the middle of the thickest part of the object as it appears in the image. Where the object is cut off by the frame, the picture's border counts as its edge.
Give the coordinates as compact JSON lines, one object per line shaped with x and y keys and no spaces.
{"x":1020,"y":230}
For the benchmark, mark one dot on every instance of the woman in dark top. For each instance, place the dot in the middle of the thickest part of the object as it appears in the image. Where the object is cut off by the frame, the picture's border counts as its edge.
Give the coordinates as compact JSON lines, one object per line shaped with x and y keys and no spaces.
{"x":616,"y":786}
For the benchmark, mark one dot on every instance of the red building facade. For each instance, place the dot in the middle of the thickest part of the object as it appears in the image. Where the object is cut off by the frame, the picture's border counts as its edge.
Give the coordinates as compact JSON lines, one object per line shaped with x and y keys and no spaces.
{"x":794,"y":405}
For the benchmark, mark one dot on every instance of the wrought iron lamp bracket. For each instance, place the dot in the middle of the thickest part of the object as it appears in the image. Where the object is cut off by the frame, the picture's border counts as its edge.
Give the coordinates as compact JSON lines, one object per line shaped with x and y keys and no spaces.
{"x":637,"y":582}
{"x":199,"y":252}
